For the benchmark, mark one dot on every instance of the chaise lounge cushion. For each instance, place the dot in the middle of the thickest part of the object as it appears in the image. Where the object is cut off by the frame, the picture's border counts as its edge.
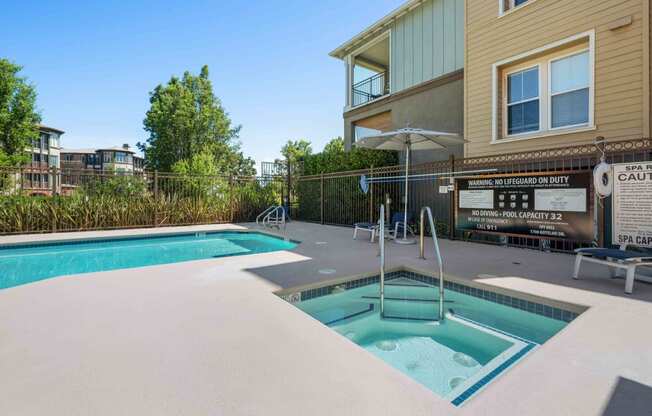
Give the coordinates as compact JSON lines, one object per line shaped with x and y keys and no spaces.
{"x":364,"y":225}
{"x":614,"y":253}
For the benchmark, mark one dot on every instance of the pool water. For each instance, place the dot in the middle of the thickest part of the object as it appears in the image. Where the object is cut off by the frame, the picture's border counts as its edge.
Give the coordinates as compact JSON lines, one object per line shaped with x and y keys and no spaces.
{"x":476,"y":342}
{"x":25,"y":264}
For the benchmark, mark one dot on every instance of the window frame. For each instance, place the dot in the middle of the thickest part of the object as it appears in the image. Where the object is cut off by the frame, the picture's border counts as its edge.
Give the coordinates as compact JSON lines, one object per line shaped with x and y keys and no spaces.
{"x":550,"y":94}
{"x":506,"y":103}
{"x":498,"y":96}
{"x":502,"y":11}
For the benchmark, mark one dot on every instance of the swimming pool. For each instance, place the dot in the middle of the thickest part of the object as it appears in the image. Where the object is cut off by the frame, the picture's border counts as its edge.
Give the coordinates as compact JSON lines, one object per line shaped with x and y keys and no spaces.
{"x":484,"y":332}
{"x":21,"y":264}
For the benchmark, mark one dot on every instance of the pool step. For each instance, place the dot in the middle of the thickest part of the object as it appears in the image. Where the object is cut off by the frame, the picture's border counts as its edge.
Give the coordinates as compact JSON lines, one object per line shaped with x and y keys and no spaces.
{"x":399,"y":299}
{"x":334,"y":316}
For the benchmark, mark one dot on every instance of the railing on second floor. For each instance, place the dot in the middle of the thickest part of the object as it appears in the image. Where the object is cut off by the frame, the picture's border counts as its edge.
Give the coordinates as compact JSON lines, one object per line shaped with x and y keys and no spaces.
{"x":370,"y":89}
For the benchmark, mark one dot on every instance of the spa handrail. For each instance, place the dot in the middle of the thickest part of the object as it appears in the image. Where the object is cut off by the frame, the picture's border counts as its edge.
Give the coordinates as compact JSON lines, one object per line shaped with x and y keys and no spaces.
{"x":273,"y":219}
{"x":262,"y":214}
{"x":435,"y":242}
{"x":381,"y":248}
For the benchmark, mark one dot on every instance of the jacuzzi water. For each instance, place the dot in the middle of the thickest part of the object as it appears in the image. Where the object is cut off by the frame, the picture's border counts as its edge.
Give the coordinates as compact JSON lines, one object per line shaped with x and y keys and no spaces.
{"x":476,"y":342}
{"x":29,"y":263}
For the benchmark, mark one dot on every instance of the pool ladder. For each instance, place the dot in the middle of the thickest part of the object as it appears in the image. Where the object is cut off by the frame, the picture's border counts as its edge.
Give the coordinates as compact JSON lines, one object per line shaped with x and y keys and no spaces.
{"x":435,"y":243}
{"x":381,"y":248}
{"x":273,"y":216}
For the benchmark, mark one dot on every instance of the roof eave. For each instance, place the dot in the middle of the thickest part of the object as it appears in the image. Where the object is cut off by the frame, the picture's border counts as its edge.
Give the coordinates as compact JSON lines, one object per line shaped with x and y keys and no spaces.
{"x":375,"y":29}
{"x":46,"y":128}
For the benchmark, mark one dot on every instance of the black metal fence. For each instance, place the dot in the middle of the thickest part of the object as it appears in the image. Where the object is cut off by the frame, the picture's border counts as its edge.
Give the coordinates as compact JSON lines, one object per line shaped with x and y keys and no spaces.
{"x":338,"y":199}
{"x":50,"y":200}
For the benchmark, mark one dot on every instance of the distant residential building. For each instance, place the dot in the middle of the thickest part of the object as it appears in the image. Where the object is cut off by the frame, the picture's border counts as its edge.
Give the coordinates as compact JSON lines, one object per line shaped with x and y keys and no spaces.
{"x":45,"y":154}
{"x":118,"y":159}
{"x":76,"y":164}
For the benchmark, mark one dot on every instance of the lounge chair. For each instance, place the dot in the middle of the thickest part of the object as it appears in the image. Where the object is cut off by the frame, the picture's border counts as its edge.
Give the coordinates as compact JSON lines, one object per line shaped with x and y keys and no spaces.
{"x":397,"y":223}
{"x":365,"y":226}
{"x":617,"y":259}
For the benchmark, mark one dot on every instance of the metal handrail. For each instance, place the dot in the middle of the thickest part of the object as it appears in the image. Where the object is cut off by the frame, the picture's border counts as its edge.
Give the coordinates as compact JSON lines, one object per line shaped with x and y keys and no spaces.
{"x":435,"y":242}
{"x":369,"y":89}
{"x":268,"y":218}
{"x":264,"y":213}
{"x":381,"y":244}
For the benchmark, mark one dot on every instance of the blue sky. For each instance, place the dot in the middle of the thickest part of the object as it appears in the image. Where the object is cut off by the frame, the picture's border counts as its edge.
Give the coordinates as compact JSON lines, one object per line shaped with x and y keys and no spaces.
{"x":94,"y":63}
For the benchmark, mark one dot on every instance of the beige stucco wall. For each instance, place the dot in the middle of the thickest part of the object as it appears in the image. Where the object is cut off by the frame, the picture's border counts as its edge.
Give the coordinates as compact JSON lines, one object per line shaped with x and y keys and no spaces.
{"x":622,"y":61}
{"x":437,"y":105}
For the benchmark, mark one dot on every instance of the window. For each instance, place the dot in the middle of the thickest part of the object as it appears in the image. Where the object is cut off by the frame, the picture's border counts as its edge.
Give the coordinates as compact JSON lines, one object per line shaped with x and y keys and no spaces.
{"x":54,"y":140}
{"x":546,"y":91}
{"x":122,"y":157}
{"x":523,"y":101}
{"x":360,"y":132}
{"x":108,"y":157}
{"x":569,"y":91}
{"x":45,"y":141}
{"x":36,"y":157}
{"x":54,"y":161}
{"x":507,"y":5}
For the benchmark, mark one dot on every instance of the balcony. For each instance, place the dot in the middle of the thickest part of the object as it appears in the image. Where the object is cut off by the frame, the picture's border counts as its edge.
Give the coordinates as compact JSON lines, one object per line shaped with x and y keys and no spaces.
{"x":370,"y":89}
{"x":368,"y":72}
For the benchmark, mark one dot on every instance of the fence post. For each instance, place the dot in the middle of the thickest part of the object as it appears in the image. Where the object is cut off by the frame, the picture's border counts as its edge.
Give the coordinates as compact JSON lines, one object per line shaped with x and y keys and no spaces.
{"x":289,"y":184}
{"x":451,"y":214}
{"x":598,"y":204}
{"x":371,"y":198}
{"x":321,"y":198}
{"x":231,"y":194}
{"x":156,"y":198}
{"x":53,"y":171}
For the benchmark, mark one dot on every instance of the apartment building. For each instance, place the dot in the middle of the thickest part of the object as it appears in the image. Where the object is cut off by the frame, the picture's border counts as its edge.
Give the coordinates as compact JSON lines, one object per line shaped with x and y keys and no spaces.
{"x":117,"y":159}
{"x":510,"y":75}
{"x":45,"y":154}
{"x":406,"y":70}
{"x":553,"y":73}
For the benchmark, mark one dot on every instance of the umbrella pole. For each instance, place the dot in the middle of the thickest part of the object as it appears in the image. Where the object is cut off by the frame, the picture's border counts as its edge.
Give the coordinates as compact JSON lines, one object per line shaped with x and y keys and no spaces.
{"x":405,"y":203}
{"x":405,"y":240}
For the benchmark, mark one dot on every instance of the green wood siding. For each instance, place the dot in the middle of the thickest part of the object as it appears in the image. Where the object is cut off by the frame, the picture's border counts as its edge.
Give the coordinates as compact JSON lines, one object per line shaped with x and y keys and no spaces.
{"x":427,"y":43}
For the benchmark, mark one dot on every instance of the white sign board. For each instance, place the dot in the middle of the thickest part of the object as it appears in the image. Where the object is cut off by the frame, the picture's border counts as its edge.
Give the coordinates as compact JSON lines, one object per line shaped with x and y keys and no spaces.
{"x":477,"y":199}
{"x":566,"y":200}
{"x":632,"y":204}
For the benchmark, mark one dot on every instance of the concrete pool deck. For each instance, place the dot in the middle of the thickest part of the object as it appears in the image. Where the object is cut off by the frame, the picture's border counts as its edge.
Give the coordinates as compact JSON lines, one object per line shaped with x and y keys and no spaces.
{"x":210,"y":337}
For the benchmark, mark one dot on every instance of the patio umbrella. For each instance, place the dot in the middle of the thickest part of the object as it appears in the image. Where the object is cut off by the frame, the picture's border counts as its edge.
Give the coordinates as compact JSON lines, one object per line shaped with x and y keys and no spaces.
{"x":409,"y":139}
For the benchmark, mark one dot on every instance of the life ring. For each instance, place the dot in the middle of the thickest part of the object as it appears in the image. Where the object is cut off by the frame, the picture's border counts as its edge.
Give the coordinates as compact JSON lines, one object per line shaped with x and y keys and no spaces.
{"x":603,"y":179}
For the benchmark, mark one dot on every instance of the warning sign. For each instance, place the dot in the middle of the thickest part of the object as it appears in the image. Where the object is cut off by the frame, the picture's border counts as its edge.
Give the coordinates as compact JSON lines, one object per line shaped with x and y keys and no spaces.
{"x":632,"y":204}
{"x":551,"y":205}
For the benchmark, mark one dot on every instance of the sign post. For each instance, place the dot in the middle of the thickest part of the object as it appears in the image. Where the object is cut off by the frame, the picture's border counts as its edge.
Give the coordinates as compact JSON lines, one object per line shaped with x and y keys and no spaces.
{"x":537,"y":205}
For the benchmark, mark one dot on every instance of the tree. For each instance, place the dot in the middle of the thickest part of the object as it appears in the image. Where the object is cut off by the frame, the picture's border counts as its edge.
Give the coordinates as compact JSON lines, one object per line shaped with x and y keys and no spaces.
{"x":335,"y":146}
{"x":199,"y":173}
{"x":18,"y":116}
{"x":335,"y":159}
{"x":294,"y":152}
{"x":186,"y":118}
{"x":199,"y":164}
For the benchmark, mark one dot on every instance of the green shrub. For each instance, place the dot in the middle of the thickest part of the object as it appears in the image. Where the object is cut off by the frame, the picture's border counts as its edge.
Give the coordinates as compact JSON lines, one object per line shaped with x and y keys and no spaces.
{"x":125,"y":202}
{"x":335,"y":159}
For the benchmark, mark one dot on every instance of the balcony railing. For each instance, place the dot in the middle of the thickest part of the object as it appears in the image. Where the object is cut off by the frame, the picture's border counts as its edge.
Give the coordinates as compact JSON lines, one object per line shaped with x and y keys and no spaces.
{"x":370,"y":89}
